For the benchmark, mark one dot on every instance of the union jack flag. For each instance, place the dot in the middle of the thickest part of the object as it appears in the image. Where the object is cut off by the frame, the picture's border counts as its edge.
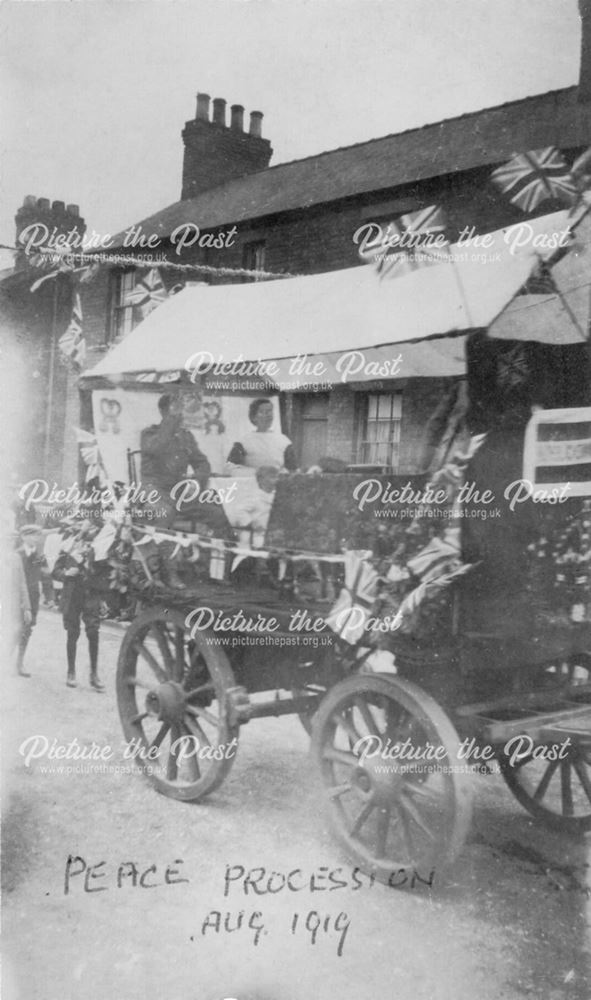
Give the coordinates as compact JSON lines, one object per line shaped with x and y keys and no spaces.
{"x":534,"y":177}
{"x":416,"y":232}
{"x":512,"y":368}
{"x":148,"y":293}
{"x":71,"y":343}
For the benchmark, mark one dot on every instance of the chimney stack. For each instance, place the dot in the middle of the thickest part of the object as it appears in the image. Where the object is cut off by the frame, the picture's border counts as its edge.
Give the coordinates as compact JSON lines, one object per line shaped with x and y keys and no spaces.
{"x":256,"y":123}
{"x":202,"y":113}
{"x":237,"y":117}
{"x":219,"y":111}
{"x":215,"y":152}
{"x":53,"y":215}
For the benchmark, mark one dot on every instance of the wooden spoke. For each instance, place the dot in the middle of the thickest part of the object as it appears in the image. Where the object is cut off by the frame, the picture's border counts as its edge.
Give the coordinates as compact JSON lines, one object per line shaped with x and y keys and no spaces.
{"x":338,"y":790}
{"x":192,"y":761}
{"x":583,"y":775}
{"x":161,"y":637}
{"x":340,"y":757}
{"x":199,"y":690}
{"x":408,"y":806}
{"x":367,"y":717}
{"x":566,"y":790}
{"x":158,"y":630}
{"x":179,"y":651}
{"x":345,"y":719}
{"x":405,"y":835}
{"x":172,"y":766}
{"x":135,"y":682}
{"x":195,"y":730}
{"x":546,"y":779}
{"x":160,"y":735}
{"x":362,"y":816}
{"x":202,"y":713}
{"x":151,"y":661}
{"x":382,"y":831}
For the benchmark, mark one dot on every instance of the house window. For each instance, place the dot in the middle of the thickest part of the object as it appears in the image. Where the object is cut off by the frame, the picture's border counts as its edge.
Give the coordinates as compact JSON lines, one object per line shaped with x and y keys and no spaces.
{"x":121,"y":319}
{"x":253,"y":256}
{"x":379,"y":437}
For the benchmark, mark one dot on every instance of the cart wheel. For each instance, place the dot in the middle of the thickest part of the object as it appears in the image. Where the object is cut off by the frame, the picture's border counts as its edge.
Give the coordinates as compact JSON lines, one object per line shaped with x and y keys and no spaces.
{"x":173,"y":705}
{"x":557,"y":792}
{"x":387,"y":818}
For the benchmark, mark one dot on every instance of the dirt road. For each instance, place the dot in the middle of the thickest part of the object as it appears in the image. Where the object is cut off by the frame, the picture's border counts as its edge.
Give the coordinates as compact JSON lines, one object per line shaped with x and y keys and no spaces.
{"x":510,"y":920}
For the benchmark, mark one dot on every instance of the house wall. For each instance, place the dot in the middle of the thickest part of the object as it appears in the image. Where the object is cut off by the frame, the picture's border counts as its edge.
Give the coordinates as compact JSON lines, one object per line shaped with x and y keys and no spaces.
{"x":37,"y":381}
{"x":321,"y":239}
{"x":318,"y":239}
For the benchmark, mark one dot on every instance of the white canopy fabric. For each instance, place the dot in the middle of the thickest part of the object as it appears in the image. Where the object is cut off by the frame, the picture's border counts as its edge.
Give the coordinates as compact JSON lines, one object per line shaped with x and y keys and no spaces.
{"x":555,"y":319}
{"x":328,"y":314}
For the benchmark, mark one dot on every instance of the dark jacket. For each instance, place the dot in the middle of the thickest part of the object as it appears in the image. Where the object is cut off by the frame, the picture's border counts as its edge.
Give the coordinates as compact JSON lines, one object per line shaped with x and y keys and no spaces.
{"x":167,"y":452}
{"x":34,"y":567}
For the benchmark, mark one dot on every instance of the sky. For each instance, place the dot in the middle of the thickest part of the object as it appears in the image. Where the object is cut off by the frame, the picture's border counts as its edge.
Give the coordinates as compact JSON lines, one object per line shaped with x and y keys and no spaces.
{"x":96,"y":92}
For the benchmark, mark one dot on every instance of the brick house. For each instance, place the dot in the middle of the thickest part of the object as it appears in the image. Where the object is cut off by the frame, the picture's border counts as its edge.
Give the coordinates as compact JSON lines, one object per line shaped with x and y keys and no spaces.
{"x":301,"y":218}
{"x":293,"y":218}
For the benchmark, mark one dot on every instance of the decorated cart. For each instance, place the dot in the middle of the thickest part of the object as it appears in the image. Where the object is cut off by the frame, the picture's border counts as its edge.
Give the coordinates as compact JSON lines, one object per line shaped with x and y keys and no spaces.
{"x":455,"y":632}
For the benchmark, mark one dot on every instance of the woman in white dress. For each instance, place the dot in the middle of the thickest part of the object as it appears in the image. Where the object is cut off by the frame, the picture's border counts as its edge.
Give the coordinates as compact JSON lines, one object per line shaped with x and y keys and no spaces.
{"x":262,"y":446}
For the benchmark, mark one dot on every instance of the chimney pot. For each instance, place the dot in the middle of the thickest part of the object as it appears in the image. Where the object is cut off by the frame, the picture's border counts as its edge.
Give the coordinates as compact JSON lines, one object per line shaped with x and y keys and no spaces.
{"x":256,"y":123}
{"x":74,"y":209}
{"x":202,"y":112}
{"x":58,"y":206}
{"x":43,"y":204}
{"x":219,"y":111}
{"x":237,"y":117}
{"x":30,"y":201}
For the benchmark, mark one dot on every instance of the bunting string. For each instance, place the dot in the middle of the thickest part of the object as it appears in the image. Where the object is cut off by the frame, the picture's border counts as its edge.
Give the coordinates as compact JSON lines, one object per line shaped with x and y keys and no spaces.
{"x":104,"y":257}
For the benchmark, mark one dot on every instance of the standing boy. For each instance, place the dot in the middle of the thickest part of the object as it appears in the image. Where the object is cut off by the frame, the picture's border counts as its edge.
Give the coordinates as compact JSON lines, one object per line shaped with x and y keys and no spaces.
{"x":79,"y":601}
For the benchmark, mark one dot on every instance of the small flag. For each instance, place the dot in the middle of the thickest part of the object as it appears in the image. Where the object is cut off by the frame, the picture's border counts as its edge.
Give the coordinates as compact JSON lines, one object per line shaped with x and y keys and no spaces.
{"x":148,"y":293}
{"x":534,"y":177}
{"x":91,"y":455}
{"x":352,"y":609}
{"x":72,"y":344}
{"x":512,"y":368}
{"x":415,"y":234}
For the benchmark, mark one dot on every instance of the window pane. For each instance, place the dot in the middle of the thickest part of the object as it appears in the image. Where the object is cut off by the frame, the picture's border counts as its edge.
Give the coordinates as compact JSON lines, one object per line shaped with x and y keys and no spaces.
{"x":380,"y":437}
{"x":384,"y":407}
